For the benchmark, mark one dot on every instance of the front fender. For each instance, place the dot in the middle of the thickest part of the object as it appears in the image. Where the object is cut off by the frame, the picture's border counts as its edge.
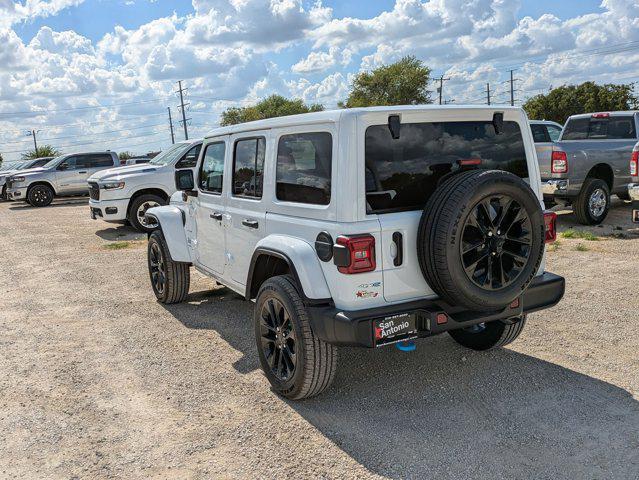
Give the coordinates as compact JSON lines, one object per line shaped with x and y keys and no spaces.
{"x":171,"y":221}
{"x":302,"y":260}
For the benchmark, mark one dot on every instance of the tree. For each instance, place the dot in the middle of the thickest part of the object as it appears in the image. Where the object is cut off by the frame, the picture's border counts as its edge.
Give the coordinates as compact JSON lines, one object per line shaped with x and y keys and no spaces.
{"x":125,"y":155}
{"x":273,"y":106}
{"x":400,"y":83}
{"x":43,"y":151}
{"x":561,"y":102}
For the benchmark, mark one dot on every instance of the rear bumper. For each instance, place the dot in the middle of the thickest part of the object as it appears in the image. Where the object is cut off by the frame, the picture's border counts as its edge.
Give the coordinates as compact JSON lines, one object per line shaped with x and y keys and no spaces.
{"x":355,"y":328}
{"x":633,"y":192}
{"x":109,"y":210}
{"x":554,"y":187}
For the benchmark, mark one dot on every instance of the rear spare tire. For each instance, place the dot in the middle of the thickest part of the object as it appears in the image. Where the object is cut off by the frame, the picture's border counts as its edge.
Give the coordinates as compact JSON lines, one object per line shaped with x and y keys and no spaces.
{"x":481,"y":239}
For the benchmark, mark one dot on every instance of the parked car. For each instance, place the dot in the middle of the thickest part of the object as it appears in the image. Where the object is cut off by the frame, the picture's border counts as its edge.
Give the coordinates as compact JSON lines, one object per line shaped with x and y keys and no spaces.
{"x":363,"y":227}
{"x":590,"y":162}
{"x":137,"y":160}
{"x":126,"y":193}
{"x":633,"y":188}
{"x":62,"y":176}
{"x":14,"y":167}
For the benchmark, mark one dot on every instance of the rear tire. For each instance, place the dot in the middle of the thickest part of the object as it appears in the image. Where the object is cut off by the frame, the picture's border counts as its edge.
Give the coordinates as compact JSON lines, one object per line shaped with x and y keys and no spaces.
{"x":490,"y":335}
{"x":138,"y":208}
{"x":296,"y":363}
{"x":170,"y":279}
{"x":593,"y":202}
{"x":40,"y":195}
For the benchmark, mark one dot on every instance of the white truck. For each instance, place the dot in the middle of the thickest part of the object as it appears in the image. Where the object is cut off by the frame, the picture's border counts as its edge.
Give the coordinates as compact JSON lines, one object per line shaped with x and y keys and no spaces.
{"x":363,"y":227}
{"x":126,"y":193}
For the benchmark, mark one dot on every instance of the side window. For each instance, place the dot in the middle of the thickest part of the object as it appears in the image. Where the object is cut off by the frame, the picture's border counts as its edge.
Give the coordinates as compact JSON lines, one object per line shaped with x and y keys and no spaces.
{"x":539,"y":133}
{"x":248,"y":167}
{"x":39,"y":163}
{"x":554,"y":132}
{"x":211,"y":173}
{"x":189,"y":160}
{"x":94,"y":161}
{"x":304,"y":168}
{"x":576,"y":129}
{"x":68,"y":163}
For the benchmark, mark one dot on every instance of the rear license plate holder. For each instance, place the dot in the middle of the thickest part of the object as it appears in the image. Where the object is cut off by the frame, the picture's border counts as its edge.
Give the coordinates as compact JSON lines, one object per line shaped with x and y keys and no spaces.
{"x":394,"y":328}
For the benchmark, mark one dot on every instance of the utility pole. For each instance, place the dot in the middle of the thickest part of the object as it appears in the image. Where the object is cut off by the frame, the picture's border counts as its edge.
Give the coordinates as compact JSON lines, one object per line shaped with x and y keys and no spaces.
{"x":440,"y":90}
{"x":512,"y":88}
{"x":32,"y":133}
{"x":171,"y":126}
{"x":488,"y":93}
{"x":183,"y":108}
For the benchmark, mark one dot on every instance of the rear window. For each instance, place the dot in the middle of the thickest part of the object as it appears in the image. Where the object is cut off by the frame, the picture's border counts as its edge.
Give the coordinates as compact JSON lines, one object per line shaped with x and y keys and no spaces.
{"x":611,"y":128}
{"x":402,"y":174}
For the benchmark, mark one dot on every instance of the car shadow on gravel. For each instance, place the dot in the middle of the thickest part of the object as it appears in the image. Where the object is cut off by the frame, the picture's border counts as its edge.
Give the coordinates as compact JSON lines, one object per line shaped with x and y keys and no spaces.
{"x":450,"y":412}
{"x":119,"y":233}
{"x":58,"y":202}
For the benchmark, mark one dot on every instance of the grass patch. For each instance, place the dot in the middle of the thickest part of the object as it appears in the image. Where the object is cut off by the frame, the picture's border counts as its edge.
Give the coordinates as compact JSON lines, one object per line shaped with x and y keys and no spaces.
{"x":117,"y":245}
{"x":579,"y":234}
{"x":581,"y":247}
{"x":554,"y":246}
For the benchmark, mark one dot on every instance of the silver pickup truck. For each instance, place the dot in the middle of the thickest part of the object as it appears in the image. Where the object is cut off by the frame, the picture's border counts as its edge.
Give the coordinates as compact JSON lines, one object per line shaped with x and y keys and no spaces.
{"x":589,"y":162}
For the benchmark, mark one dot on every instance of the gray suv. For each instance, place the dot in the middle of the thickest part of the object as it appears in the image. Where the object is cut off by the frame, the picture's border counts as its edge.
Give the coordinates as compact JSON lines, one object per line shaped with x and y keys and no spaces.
{"x":62,"y":176}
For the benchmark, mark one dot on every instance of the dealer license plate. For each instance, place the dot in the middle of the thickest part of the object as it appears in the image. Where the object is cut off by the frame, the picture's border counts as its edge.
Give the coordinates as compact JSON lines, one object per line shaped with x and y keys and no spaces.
{"x":394,"y":328}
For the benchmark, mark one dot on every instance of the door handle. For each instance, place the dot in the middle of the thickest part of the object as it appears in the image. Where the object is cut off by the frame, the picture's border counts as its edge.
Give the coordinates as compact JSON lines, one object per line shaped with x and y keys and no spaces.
{"x":216,"y":216}
{"x":83,"y":171}
{"x":250,"y":223}
{"x":398,"y":240}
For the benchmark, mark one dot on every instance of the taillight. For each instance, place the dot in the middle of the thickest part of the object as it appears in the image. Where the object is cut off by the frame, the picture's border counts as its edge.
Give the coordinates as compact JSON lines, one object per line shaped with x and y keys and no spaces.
{"x":355,"y":254}
{"x":634,"y":164}
{"x":559,"y":162}
{"x":550,"y":222}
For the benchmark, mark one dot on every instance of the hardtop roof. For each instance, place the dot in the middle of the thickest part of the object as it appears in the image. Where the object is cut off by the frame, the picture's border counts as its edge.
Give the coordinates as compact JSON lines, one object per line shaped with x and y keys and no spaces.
{"x":333,"y":116}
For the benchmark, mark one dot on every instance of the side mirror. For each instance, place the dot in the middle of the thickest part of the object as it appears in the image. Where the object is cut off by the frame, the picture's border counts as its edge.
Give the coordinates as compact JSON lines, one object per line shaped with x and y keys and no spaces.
{"x":63,"y":166}
{"x":184,"y":181}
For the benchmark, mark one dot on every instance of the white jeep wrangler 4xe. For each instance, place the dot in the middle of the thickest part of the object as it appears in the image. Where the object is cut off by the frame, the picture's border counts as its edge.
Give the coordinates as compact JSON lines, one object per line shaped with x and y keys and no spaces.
{"x":363,"y":227}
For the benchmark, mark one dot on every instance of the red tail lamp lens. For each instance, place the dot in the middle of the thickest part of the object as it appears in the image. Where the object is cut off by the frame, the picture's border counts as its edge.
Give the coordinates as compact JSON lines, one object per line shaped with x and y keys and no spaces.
{"x":361,"y":253}
{"x":550,"y":221}
{"x":559,"y":162}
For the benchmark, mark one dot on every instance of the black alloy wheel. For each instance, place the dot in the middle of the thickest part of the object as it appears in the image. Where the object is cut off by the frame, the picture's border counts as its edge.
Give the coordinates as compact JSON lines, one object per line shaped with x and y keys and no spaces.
{"x":496,"y":242}
{"x":277,"y":339}
{"x":157,"y":267}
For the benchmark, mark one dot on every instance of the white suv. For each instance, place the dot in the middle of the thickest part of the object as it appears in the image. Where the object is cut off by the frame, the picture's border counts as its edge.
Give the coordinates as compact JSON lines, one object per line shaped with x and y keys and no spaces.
{"x":363,"y":227}
{"x":126,"y":193}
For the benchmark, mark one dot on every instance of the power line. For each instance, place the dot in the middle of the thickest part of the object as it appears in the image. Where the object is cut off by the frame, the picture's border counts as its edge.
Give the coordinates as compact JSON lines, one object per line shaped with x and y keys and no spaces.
{"x":90,"y":107}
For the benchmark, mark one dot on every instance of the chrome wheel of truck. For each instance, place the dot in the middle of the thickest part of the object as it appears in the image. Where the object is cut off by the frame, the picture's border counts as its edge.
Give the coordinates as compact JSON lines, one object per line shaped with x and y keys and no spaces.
{"x":138,"y":208}
{"x":597,"y":202}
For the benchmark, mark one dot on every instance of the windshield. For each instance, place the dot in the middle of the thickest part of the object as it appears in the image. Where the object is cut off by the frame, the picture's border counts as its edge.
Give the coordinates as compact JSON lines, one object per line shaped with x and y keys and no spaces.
{"x":11,"y":166}
{"x":52,"y":163}
{"x":168,"y":155}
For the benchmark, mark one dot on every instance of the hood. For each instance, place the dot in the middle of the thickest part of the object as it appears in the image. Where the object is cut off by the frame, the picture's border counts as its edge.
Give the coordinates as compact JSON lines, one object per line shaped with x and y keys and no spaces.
{"x":28,"y":171}
{"x":126,"y":171}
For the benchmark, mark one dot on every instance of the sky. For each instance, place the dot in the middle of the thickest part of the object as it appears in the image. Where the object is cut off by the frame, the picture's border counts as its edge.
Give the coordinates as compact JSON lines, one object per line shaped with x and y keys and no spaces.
{"x":100,"y":74}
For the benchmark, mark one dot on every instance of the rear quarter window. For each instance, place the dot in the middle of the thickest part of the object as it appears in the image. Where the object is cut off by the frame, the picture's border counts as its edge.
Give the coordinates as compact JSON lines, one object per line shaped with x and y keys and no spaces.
{"x":402,"y":174}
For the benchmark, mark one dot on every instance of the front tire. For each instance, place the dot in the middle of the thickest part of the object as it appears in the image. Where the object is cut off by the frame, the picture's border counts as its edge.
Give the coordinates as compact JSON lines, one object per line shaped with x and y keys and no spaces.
{"x":296,"y":363}
{"x":170,"y":279}
{"x":593,"y":202}
{"x":489,"y":335}
{"x":40,"y":195}
{"x":137,"y":212}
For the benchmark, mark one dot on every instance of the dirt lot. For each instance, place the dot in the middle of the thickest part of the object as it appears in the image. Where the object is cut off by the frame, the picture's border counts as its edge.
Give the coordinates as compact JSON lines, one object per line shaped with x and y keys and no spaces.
{"x":98,"y":380}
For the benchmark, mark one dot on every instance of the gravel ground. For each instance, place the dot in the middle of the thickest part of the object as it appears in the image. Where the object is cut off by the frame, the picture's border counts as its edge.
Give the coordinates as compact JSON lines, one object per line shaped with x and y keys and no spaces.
{"x":98,"y":380}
